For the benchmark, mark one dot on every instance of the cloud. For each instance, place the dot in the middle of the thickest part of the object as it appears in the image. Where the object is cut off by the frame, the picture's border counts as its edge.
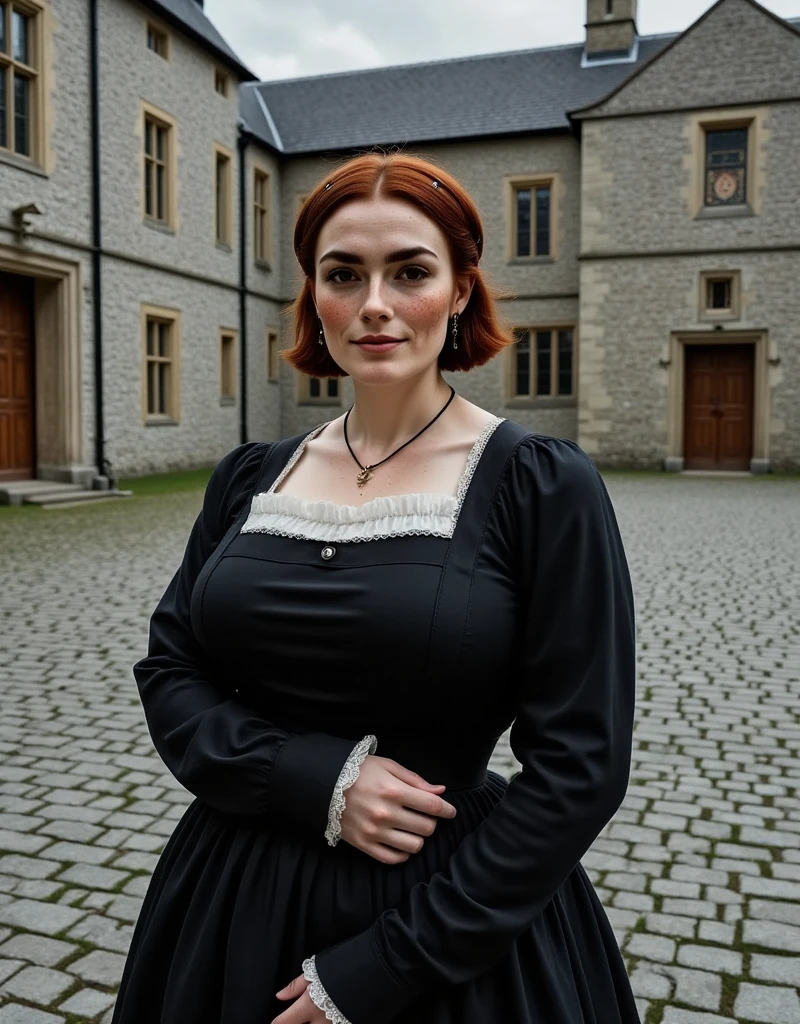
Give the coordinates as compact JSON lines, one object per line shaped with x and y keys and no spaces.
{"x":291,"y":38}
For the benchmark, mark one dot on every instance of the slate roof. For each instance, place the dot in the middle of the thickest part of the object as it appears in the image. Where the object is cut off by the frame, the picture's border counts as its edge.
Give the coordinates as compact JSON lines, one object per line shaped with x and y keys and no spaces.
{"x":189,"y":16}
{"x":520,"y":91}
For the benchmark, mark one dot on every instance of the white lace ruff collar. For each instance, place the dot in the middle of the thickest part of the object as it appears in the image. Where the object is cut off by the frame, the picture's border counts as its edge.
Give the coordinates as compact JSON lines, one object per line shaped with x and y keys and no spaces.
{"x":396,"y":515}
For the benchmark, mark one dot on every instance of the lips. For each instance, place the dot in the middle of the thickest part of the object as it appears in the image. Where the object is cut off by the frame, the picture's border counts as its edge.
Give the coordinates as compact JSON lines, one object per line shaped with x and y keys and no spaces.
{"x":377,"y":339}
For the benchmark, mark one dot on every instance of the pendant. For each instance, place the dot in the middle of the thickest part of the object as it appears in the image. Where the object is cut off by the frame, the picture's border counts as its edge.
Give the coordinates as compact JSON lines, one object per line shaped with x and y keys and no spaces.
{"x":364,"y":475}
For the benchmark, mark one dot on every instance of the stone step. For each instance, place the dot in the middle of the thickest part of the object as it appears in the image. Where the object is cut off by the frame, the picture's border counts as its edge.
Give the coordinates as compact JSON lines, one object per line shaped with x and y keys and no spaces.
{"x":101,"y":497}
{"x":64,"y":499}
{"x":34,"y":486}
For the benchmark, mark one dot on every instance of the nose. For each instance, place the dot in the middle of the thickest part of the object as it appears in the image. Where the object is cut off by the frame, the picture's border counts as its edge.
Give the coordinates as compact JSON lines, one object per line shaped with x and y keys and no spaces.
{"x":375,"y":305}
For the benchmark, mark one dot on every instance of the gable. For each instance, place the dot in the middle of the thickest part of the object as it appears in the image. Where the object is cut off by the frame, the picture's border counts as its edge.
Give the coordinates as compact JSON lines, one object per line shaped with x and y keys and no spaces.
{"x":738,"y":52}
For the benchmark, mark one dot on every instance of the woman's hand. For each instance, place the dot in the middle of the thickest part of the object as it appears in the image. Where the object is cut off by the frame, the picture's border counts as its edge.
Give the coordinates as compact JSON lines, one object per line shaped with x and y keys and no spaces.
{"x":389,"y":810}
{"x":302,"y":1010}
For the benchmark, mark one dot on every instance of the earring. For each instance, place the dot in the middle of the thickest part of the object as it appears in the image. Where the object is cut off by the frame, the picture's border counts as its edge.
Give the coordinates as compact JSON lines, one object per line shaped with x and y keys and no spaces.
{"x":455,"y":329}
{"x":321,"y":337}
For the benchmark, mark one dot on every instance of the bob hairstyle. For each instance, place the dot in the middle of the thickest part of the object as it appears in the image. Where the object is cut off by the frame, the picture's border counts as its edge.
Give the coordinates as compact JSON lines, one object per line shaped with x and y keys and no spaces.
{"x":482,"y":332}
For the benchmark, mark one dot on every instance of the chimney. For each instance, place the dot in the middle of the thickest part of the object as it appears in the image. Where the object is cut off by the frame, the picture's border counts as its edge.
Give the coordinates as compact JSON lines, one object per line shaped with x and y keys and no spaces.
{"x":610,"y":29}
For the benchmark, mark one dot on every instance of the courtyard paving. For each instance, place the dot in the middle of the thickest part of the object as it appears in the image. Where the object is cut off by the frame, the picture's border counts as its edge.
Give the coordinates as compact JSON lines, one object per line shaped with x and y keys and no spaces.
{"x":699,"y":869}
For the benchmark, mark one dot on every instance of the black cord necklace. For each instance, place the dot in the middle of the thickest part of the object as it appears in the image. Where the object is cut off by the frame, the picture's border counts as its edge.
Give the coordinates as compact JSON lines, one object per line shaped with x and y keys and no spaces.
{"x":366,"y":471}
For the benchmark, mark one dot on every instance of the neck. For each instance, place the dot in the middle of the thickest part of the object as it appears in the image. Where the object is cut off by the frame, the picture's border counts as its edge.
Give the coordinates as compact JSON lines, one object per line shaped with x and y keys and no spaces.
{"x":385,"y":417}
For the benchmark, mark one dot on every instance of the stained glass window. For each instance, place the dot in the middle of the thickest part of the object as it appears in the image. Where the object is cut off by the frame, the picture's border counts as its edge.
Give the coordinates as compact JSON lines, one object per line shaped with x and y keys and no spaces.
{"x":726,"y":166}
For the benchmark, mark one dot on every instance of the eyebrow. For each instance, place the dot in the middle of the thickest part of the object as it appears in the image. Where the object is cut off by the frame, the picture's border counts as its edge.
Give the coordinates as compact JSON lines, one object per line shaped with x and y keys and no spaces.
{"x":393,"y":257}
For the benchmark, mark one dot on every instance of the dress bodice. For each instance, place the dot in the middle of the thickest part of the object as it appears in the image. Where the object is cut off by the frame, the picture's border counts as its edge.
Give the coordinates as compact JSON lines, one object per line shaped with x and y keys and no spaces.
{"x":330,"y":617}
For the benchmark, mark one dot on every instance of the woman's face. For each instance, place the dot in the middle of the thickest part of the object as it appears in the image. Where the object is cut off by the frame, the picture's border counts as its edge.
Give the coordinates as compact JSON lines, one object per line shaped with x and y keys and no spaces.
{"x":383,"y":268}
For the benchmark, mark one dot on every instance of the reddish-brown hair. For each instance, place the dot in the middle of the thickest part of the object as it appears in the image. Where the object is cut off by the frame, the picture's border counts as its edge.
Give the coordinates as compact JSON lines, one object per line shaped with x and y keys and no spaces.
{"x":482,"y":332}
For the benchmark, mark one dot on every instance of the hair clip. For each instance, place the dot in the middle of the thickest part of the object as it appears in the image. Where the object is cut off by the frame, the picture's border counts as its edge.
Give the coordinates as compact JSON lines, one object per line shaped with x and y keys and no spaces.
{"x":328,"y":185}
{"x":435,"y":183}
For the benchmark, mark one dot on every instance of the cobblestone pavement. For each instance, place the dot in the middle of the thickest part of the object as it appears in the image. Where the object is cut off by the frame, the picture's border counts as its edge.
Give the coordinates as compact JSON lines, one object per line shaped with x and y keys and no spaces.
{"x":699,"y":870}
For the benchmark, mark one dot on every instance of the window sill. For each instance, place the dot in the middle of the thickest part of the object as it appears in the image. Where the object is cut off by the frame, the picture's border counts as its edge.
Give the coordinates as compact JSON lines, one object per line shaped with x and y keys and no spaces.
{"x":715,"y":212}
{"x":165,"y":421}
{"x":157,"y":225}
{"x":224,"y":246}
{"x":22,"y":163}
{"x":228,"y":400}
{"x":542,"y":402}
{"x":319,"y":401}
{"x":262,"y":264}
{"x":718,"y":315}
{"x":526,"y":261}
{"x":273,"y":380}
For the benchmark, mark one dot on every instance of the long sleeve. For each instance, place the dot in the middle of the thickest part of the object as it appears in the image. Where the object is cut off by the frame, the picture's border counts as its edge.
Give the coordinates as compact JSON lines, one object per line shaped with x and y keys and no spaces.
{"x":572,"y":733}
{"x":216,"y":747}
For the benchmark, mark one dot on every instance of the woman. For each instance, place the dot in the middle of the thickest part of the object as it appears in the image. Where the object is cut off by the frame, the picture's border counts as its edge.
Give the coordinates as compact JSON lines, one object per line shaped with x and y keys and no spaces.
{"x":409,"y":578}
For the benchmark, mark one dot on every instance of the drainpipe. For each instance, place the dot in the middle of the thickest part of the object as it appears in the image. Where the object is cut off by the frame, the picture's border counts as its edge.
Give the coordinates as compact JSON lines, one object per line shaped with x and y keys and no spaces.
{"x":242,"y":142}
{"x":103,"y":467}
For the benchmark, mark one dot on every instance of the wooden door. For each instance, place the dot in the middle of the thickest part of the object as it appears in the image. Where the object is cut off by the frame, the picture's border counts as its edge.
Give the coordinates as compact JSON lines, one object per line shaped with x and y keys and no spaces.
{"x":718,"y":424}
{"x":17,"y":396}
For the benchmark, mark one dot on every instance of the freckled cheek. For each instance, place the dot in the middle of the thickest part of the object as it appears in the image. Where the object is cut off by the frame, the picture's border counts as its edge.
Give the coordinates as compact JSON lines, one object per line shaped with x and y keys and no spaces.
{"x":423,"y":311}
{"x":335,"y":312}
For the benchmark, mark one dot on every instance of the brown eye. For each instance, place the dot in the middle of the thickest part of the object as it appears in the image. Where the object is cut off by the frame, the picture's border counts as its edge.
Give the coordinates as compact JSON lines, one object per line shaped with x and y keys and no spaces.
{"x":419,"y":270}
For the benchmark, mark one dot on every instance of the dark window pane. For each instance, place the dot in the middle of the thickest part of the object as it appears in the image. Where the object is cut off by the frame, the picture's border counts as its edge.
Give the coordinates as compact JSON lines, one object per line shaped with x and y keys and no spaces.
{"x":522,"y":384}
{"x":20,"y":36}
{"x":160,"y":204}
{"x":160,"y":142}
{"x":313,"y":387}
{"x":565,"y":362}
{"x":719,"y":294}
{"x":3,"y":108}
{"x":163,"y":339}
{"x":523,"y":222}
{"x":543,"y":221}
{"x":333,"y":387}
{"x":150,"y":342}
{"x":3,"y":41}
{"x":220,"y":199}
{"x":151,"y":388}
{"x":543,"y":363}
{"x":726,"y":148}
{"x":22,"y":115}
{"x":163,"y":387}
{"x":148,"y":188}
{"x":148,"y":137}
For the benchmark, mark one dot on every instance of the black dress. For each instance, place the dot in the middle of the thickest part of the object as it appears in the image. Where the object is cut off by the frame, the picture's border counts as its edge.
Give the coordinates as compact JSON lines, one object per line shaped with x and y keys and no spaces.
{"x":268,"y":661}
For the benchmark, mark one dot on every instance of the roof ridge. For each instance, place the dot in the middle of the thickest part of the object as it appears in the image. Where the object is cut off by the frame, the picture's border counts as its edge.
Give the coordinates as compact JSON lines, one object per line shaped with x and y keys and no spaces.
{"x":445,"y":60}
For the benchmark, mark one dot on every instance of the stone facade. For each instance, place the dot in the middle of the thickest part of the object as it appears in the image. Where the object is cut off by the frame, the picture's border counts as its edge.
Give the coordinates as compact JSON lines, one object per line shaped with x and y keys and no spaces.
{"x":646,"y":238}
{"x":631,"y":240}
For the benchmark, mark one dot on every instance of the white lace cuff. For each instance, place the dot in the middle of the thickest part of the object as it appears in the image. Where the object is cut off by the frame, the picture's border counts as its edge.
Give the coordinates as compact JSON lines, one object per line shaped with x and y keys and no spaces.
{"x":319,"y":997}
{"x":347,"y":777}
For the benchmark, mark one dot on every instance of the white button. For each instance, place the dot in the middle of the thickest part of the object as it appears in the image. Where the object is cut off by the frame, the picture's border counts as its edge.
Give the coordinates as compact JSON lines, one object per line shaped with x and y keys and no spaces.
{"x":328,"y":552}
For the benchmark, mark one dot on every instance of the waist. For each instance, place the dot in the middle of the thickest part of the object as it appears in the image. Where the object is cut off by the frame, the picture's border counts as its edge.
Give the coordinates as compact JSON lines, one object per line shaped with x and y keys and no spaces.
{"x":440,"y":760}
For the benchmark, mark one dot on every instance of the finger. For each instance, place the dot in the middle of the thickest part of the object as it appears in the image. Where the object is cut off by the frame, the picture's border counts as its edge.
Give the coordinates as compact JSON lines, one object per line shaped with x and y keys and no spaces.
{"x":385,"y":854}
{"x":428,"y":803}
{"x":412,"y":821}
{"x":297,"y":1013}
{"x":406,"y":841}
{"x":401,"y":772}
{"x":295,"y":988}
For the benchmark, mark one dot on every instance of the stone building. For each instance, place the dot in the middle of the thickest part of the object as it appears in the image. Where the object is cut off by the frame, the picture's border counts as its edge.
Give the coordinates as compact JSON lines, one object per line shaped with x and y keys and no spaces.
{"x":637,"y":194}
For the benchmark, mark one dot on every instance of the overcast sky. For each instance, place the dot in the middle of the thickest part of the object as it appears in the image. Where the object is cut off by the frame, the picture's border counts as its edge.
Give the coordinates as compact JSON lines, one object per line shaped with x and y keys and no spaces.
{"x":292,"y":38}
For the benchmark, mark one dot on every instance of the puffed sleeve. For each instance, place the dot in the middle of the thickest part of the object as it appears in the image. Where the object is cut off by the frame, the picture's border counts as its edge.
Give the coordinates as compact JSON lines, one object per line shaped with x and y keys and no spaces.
{"x":572,"y":733}
{"x":222,"y":751}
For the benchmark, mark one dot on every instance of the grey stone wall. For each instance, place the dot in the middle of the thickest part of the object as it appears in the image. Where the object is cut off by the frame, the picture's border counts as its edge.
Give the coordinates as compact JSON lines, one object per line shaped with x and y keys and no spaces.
{"x":637,"y":199}
{"x":737,"y":53}
{"x":629,"y":310}
{"x":182,"y":87}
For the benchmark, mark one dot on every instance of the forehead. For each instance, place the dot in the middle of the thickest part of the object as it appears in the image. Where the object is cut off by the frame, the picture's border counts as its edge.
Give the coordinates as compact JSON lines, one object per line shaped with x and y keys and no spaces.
{"x":380,"y":223}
